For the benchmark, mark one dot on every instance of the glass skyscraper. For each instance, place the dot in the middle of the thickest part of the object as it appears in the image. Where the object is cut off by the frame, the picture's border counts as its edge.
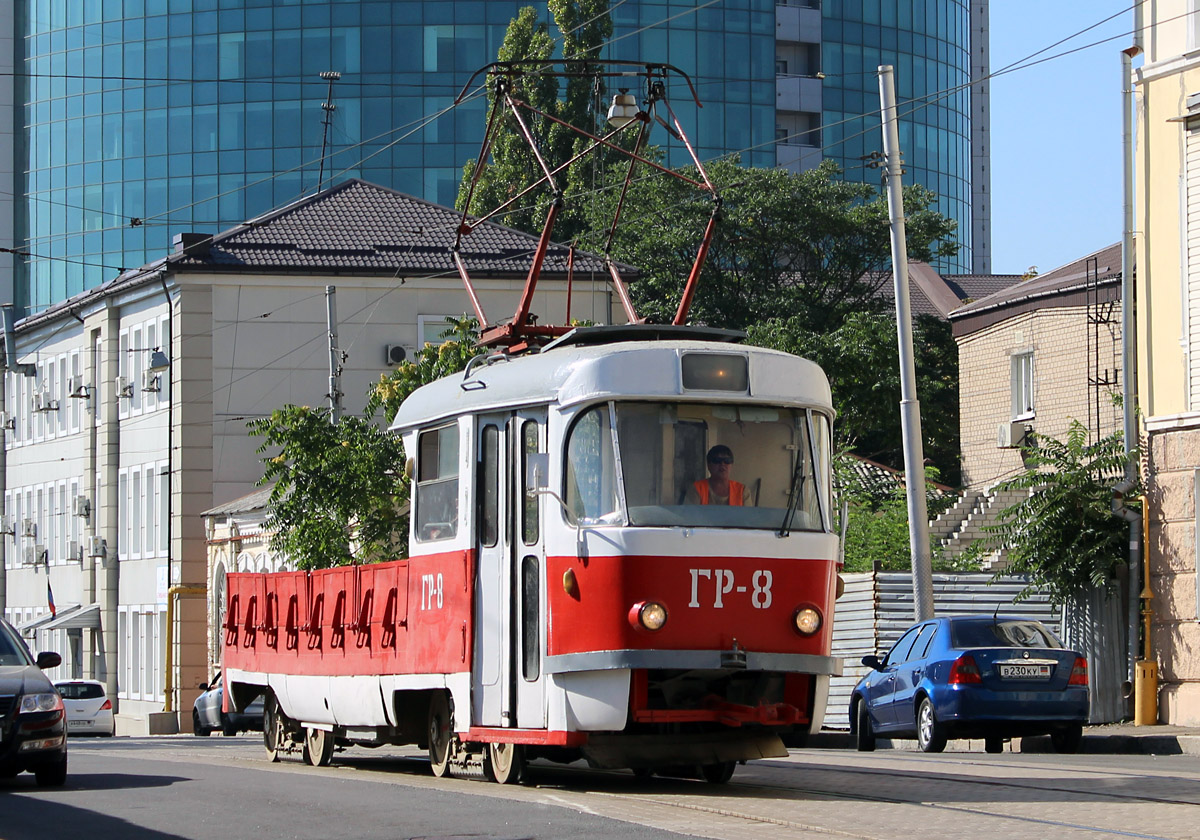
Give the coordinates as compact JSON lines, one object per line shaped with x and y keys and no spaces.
{"x":146,"y":118}
{"x":928,"y":44}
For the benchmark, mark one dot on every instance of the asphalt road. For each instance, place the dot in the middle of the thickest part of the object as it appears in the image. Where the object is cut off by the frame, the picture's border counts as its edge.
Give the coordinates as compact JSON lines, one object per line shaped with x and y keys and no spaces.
{"x":184,"y":787}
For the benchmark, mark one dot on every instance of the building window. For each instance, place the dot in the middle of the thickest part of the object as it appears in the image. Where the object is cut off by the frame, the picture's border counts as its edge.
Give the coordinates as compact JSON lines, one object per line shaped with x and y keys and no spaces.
{"x":781,"y":67}
{"x":430,"y":329}
{"x":1022,"y":385}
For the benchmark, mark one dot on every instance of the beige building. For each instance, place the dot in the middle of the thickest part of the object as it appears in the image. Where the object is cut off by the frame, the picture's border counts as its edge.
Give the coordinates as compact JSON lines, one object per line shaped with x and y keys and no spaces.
{"x":1167,"y":97}
{"x":125,"y":411}
{"x":1035,"y":356}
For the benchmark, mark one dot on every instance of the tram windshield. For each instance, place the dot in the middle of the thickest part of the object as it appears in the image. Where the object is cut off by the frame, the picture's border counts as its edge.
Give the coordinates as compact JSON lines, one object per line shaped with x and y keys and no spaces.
{"x":699,"y":465}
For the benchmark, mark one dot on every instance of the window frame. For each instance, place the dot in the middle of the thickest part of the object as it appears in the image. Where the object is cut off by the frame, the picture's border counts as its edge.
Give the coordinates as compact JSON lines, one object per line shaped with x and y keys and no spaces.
{"x":1021,"y":385}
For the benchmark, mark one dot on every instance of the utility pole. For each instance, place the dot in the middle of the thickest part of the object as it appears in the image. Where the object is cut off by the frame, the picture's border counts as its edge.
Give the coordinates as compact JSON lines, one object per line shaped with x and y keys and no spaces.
{"x":910,"y":407}
{"x":335,"y":356}
{"x":328,"y":107}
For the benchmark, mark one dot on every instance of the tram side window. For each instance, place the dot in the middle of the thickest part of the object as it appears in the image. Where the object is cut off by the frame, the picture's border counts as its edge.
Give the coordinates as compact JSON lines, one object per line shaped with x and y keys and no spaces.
{"x":591,"y":490}
{"x":529,"y":511}
{"x":437,"y":484}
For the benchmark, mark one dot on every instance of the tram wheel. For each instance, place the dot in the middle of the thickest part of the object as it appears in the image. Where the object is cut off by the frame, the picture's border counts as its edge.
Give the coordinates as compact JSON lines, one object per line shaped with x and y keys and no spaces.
{"x":273,"y":733}
{"x":440,"y":734}
{"x":318,"y":747}
{"x":719,"y":773}
{"x":506,"y":763}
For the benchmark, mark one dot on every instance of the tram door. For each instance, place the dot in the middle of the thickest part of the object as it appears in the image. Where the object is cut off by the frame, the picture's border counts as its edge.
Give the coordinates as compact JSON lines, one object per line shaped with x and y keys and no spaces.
{"x":507,"y":680}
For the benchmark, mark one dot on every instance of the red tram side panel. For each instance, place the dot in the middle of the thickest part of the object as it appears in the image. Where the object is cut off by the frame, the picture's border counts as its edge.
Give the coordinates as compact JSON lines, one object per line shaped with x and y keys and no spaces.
{"x":396,"y":618}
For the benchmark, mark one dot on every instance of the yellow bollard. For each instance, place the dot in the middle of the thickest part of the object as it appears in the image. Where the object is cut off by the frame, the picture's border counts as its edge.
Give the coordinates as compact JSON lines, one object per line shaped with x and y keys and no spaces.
{"x":1145,"y":693}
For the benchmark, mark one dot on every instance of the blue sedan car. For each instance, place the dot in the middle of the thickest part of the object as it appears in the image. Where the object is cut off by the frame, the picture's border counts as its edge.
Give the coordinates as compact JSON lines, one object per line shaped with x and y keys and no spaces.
{"x":990,"y":677}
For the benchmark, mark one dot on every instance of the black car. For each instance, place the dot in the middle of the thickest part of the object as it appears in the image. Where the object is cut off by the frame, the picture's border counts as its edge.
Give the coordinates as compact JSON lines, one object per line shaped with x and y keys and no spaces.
{"x":33,"y":734}
{"x":207,"y":716}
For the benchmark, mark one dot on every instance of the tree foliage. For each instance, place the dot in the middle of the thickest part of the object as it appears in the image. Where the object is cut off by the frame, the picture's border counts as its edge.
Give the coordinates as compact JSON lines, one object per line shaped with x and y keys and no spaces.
{"x":584,"y":26}
{"x":1063,"y":534}
{"x":861,"y":358}
{"x":808,"y":247}
{"x":340,"y":493}
{"x":877,"y":523}
{"x":339,"y":487}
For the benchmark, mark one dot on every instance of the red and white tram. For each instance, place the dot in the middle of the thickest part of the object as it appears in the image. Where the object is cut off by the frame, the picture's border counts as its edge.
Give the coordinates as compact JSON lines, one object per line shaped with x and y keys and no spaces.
{"x":567,"y":593}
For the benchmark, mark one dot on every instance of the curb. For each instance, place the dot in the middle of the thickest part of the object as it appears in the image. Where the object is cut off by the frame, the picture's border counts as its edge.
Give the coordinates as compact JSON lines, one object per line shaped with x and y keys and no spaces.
{"x":1149,"y":744}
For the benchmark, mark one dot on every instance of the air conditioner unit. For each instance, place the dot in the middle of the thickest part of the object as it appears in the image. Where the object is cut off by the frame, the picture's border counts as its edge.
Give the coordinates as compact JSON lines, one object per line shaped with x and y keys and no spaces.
{"x":77,"y":390}
{"x":395,"y":354}
{"x":7,"y":421}
{"x":124,"y":389}
{"x":150,"y":381}
{"x":1011,"y":435}
{"x":37,"y":401}
{"x":44,"y":401}
{"x":29,"y":528}
{"x":96,"y":546}
{"x":8,"y":526}
{"x":82,"y":506}
{"x":30,"y":557}
{"x":73,"y":550}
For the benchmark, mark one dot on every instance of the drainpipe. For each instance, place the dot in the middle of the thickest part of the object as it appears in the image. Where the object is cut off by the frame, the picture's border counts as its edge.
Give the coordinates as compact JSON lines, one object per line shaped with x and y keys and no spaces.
{"x":9,"y":319}
{"x":173,"y":595}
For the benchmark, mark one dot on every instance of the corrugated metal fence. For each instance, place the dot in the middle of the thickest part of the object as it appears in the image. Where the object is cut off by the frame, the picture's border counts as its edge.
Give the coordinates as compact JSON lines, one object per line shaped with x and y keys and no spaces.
{"x":878,"y":606}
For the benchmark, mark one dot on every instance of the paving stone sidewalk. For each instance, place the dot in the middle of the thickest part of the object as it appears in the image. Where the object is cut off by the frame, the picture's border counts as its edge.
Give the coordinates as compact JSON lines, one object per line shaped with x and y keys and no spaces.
{"x":1108,"y":738}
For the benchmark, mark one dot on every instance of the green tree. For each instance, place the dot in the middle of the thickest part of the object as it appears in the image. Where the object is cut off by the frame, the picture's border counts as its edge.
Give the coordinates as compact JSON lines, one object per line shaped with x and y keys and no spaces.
{"x":808,"y":247}
{"x":340,"y":493}
{"x":584,"y":26}
{"x":877,"y":522}
{"x":1063,"y":534}
{"x":860,"y":357}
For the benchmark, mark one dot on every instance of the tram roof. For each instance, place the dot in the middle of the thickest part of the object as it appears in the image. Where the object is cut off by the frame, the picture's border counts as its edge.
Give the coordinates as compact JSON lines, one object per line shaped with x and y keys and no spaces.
{"x":573,"y":371}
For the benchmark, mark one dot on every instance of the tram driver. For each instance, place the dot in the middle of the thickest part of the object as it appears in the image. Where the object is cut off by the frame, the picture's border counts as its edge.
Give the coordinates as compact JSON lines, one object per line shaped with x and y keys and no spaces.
{"x":718,"y":488}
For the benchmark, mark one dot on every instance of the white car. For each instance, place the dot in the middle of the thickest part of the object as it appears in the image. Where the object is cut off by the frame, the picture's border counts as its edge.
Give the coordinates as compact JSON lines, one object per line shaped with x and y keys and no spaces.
{"x":89,"y":711}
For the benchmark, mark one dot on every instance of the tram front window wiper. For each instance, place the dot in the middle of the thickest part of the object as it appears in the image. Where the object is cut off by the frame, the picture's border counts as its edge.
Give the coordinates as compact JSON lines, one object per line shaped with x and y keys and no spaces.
{"x":795,"y":494}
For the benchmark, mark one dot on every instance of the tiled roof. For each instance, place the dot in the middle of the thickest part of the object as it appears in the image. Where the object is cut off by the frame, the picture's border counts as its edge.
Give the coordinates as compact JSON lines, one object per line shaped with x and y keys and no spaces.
{"x":931,"y":293}
{"x":353,"y":228}
{"x":361,"y":228}
{"x":1103,"y":267}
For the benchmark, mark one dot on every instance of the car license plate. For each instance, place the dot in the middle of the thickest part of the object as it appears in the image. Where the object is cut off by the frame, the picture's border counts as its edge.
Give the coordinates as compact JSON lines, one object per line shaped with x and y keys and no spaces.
{"x":1024,"y":671}
{"x":78,"y":722}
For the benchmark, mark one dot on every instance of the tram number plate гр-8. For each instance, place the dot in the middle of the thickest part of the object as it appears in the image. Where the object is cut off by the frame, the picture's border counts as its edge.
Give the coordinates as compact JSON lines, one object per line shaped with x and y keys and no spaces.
{"x":1025,"y":671}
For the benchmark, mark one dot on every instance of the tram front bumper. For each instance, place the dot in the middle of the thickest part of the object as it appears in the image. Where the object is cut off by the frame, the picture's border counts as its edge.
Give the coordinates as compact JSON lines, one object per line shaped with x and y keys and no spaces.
{"x":610,"y":751}
{"x":694,"y":660}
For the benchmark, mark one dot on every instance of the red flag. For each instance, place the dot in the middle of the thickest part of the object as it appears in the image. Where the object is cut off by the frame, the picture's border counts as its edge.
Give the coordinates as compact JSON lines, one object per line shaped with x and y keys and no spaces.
{"x":50,"y":598}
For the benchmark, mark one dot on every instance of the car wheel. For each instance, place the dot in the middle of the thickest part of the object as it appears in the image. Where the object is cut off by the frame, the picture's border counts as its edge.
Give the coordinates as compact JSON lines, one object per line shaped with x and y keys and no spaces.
{"x":719,"y":773}
{"x":53,"y":776}
{"x":931,"y":735}
{"x":228,"y":727}
{"x":865,"y":733}
{"x":1067,"y":740}
{"x":197,"y":727}
{"x":993,"y":744}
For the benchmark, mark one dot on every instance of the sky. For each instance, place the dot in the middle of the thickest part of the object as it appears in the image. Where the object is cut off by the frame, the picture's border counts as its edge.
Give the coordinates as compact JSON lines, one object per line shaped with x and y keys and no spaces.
{"x":1056,"y":132}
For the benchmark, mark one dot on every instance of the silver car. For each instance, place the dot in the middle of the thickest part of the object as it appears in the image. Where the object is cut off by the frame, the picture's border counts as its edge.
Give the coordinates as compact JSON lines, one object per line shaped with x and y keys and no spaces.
{"x":207,"y":716}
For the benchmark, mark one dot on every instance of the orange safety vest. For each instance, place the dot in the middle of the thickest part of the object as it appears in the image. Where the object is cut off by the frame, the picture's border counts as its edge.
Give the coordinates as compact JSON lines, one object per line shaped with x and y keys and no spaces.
{"x":736,"y":491}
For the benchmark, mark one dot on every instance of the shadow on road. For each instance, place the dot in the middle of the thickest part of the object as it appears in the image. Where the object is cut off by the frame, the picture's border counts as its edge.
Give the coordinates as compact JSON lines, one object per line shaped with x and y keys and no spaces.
{"x":50,"y":813}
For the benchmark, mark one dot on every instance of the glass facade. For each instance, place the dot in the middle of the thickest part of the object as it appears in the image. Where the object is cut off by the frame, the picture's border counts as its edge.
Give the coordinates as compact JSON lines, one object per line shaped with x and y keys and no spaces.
{"x":928,"y":44}
{"x":146,"y":118}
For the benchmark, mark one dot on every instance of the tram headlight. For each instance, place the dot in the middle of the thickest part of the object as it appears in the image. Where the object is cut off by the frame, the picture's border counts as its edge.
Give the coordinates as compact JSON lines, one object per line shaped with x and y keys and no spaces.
{"x":648,"y":615}
{"x":806,"y":620}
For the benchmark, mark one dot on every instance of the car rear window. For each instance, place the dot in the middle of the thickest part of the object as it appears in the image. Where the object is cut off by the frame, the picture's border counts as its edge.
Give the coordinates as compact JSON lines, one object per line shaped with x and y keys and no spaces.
{"x":1017,"y":634}
{"x":80,"y":691}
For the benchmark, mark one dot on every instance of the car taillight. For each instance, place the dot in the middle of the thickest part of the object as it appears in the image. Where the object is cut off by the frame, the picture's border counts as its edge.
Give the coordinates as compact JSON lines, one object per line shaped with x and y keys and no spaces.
{"x":107,"y":706}
{"x":1079,"y":672}
{"x":964,"y":671}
